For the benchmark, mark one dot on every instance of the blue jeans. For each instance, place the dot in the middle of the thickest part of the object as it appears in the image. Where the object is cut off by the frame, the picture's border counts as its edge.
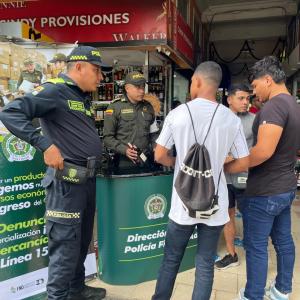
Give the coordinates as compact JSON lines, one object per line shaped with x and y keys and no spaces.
{"x":265,"y":216}
{"x":176,"y":241}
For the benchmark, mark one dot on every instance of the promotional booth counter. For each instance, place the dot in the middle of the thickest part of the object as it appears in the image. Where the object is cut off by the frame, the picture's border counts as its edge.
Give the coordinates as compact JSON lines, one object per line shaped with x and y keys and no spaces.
{"x":132,"y":210}
{"x":132,"y":219}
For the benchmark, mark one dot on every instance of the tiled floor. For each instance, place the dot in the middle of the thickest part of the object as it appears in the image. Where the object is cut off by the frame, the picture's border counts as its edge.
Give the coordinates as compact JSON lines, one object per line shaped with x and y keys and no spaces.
{"x":226,"y":283}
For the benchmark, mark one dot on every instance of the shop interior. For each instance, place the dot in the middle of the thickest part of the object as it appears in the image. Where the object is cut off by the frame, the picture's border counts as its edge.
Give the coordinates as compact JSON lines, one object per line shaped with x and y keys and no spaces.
{"x":164,"y":81}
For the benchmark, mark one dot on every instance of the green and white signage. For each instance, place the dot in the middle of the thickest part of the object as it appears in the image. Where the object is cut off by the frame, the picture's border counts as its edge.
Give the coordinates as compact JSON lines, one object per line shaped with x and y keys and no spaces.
{"x":23,"y":240}
{"x":132,"y":220}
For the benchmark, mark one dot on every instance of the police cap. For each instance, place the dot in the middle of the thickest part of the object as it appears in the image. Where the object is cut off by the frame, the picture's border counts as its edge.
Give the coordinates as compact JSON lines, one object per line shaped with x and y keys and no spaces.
{"x":135,"y":78}
{"x":58,"y":57}
{"x":28,"y":61}
{"x":88,"y":54}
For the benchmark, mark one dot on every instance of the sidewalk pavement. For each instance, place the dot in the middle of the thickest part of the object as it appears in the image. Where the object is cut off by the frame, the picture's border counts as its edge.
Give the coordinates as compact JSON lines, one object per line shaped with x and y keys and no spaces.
{"x":226,"y":283}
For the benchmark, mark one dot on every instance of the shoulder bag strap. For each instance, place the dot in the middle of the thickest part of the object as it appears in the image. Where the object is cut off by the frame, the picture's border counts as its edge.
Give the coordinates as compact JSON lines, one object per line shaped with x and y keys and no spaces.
{"x":192,"y":122}
{"x":209,"y":124}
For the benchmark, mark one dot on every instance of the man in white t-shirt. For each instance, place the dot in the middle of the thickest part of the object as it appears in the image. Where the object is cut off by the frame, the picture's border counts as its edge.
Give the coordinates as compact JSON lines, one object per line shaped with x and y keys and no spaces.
{"x":226,"y":135}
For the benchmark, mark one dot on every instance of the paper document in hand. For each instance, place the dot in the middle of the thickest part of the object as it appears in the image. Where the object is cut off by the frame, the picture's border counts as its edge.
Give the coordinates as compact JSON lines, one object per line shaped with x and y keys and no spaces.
{"x":26,"y":86}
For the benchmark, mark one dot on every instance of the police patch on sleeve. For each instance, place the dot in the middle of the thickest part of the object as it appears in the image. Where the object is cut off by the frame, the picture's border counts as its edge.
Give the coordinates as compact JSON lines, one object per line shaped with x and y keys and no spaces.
{"x":37,"y":90}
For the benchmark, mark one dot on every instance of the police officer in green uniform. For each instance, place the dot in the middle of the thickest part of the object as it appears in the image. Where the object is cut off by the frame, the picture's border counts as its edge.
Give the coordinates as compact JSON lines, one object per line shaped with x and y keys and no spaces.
{"x":30,"y":74}
{"x":69,"y":138}
{"x":130,"y":126}
{"x":59,"y":62}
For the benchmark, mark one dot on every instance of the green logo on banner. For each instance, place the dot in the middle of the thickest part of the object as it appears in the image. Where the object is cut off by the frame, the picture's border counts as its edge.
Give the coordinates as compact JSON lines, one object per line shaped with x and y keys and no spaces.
{"x":155,"y":206}
{"x":15,"y":149}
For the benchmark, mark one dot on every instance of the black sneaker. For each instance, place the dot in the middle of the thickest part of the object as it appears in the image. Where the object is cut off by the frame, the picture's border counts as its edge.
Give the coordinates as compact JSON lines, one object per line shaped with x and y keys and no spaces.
{"x":227,"y":261}
{"x":88,"y":293}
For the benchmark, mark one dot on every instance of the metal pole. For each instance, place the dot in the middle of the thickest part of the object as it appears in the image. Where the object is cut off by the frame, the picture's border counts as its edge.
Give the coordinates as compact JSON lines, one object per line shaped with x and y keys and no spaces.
{"x":146,"y":70}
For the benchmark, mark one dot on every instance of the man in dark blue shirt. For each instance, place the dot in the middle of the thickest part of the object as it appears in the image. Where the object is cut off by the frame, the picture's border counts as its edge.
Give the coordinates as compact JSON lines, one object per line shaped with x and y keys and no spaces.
{"x":69,"y":138}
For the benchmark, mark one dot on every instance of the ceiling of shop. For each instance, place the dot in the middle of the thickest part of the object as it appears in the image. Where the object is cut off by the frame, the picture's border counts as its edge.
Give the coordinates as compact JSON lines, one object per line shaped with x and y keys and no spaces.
{"x":123,"y":57}
{"x":262,"y":23}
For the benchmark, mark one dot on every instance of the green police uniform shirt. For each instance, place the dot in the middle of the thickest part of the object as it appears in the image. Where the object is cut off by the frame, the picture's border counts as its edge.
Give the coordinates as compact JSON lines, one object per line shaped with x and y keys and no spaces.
{"x":125,"y":122}
{"x":35,"y":77}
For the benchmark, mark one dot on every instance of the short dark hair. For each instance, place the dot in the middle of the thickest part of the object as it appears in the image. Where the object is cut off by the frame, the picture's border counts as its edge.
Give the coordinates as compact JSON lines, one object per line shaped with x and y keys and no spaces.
{"x":211,"y":72}
{"x":238,"y":87}
{"x":269,"y":65}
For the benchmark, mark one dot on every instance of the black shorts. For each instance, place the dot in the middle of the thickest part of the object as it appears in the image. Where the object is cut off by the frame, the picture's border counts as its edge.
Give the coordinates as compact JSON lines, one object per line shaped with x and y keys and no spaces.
{"x":234,"y":195}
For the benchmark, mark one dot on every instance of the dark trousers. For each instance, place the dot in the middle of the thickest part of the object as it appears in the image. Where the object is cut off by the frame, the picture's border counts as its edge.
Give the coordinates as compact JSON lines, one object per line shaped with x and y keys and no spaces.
{"x":70,"y":211}
{"x":176,"y":241}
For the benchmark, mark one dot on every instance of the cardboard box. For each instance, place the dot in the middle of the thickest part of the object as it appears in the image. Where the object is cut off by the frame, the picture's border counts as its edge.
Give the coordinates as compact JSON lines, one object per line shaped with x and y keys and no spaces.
{"x":15,"y":73}
{"x":3,"y":84}
{"x":4,"y":71}
{"x":17,"y":55}
{"x":4,"y":53}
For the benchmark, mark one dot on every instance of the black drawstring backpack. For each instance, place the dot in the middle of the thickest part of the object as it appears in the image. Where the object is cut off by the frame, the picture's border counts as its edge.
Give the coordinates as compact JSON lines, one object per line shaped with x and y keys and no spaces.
{"x":195,"y":183}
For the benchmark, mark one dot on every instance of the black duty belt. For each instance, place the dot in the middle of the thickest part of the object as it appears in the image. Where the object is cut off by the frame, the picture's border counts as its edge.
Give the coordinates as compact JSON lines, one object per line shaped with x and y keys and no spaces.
{"x":77,"y":174}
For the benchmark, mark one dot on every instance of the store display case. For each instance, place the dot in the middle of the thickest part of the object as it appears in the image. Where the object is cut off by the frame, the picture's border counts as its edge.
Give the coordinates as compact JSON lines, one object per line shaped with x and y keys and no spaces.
{"x":112,"y":87}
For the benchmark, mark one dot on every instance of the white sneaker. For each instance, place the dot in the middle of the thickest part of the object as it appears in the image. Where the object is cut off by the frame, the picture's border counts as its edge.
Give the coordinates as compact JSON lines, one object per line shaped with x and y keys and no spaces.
{"x":272,"y":293}
{"x":242,"y":297}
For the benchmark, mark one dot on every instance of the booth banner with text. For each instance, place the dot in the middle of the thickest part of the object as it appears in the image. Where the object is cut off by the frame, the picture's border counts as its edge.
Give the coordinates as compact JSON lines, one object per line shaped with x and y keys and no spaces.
{"x":182,"y":36}
{"x":131,"y":247}
{"x":23,"y":242}
{"x":94,"y":21}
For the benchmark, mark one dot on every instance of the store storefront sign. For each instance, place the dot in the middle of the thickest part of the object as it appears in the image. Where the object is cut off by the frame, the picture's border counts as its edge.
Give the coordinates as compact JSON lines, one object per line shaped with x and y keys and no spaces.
{"x":181,"y":34}
{"x":95,"y":21}
{"x":12,"y":4}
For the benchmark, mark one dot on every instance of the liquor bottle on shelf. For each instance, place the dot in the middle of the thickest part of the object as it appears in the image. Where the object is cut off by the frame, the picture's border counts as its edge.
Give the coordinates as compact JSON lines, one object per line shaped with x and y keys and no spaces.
{"x":100,"y":131}
{"x":152,"y":90}
{"x":138,"y":69}
{"x":120,"y":74}
{"x":116,"y":74}
{"x":120,"y":88}
{"x":160,"y":75}
{"x":106,"y":93}
{"x":109,"y":92}
{"x":157,"y":91}
{"x":151,"y":75}
{"x":108,"y":77}
{"x":161,"y":95}
{"x":116,"y":88}
{"x":101,"y":92}
{"x":95,"y":96}
{"x":156,"y":74}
